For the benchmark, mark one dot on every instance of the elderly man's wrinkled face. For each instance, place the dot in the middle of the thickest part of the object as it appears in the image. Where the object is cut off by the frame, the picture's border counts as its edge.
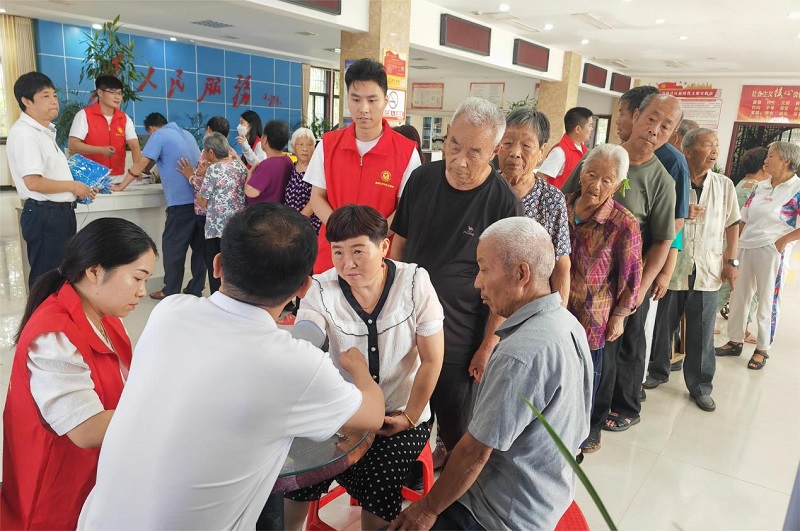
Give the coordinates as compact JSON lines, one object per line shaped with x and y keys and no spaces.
{"x":703,"y":154}
{"x":468,"y":151}
{"x":624,"y":121}
{"x":519,"y":153}
{"x":498,"y":288}
{"x":653,"y":125}
{"x":599,"y":181}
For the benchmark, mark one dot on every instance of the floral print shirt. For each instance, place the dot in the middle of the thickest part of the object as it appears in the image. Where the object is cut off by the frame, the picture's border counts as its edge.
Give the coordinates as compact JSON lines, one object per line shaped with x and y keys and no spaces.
{"x":223,"y":187}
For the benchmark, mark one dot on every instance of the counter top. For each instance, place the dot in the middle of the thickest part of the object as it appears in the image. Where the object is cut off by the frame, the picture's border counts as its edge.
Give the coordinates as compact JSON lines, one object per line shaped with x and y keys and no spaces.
{"x":133,"y":197}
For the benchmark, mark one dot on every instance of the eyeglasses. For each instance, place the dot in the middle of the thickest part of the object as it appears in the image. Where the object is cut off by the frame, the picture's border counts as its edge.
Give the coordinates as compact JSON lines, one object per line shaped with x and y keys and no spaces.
{"x":117,"y":92}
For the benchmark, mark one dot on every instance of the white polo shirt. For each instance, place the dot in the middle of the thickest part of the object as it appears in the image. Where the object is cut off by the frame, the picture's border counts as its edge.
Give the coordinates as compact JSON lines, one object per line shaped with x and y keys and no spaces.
{"x":215,"y":395}
{"x":770,"y":213}
{"x":32,"y":150}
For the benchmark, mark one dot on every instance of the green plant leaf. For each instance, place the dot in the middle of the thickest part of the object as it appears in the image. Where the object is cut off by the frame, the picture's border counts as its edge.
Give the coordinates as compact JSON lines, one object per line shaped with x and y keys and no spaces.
{"x":568,"y":455}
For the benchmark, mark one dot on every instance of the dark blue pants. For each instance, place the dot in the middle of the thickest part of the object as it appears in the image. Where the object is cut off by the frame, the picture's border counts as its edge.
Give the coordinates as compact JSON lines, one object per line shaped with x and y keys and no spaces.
{"x":457,"y":517}
{"x":181,"y":232}
{"x":46,"y":228}
{"x":597,"y":360}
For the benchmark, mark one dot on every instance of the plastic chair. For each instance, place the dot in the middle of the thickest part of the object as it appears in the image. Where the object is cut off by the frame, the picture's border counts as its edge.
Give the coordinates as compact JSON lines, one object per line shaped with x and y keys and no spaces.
{"x":315,"y":523}
{"x":572,"y":520}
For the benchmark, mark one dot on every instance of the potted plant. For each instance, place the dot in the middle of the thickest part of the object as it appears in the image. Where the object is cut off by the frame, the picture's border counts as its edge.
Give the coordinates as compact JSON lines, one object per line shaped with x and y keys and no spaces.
{"x":69,"y":105}
{"x":107,"y":54}
{"x":529,"y":101}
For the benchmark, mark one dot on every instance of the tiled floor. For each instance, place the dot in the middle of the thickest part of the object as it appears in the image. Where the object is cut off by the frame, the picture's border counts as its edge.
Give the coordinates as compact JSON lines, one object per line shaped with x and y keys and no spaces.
{"x":680,"y":468}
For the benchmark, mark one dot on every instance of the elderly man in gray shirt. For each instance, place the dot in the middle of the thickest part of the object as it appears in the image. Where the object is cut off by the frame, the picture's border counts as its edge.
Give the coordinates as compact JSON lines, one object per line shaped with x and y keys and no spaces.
{"x":506,"y":472}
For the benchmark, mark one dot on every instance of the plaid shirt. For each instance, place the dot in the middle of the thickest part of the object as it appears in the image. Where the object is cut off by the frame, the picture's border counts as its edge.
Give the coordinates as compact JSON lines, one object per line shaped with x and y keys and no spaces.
{"x":606,"y":267}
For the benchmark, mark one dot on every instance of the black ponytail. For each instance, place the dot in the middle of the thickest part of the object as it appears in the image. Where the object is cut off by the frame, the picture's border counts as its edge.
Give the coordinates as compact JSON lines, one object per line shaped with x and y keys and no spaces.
{"x":107,"y":242}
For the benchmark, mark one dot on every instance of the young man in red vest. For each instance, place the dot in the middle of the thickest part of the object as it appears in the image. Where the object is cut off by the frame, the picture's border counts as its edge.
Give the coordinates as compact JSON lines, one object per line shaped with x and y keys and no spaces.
{"x":366,"y":163}
{"x":101,"y":130}
{"x":562,"y":159}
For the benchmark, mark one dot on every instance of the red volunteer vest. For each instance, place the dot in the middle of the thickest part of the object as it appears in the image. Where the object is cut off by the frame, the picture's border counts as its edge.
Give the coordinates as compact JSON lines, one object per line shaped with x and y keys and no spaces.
{"x":46,"y":478}
{"x":371,"y":180}
{"x":102,"y":134}
{"x":574,"y":156}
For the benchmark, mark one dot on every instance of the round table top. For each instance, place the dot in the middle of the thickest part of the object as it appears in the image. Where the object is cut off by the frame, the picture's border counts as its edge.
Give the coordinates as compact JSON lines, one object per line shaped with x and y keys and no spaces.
{"x":309,"y":462}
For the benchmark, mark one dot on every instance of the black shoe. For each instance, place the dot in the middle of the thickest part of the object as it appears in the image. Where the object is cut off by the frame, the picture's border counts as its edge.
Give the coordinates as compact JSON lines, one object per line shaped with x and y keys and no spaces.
{"x":675,"y":367}
{"x":414,"y":479}
{"x":705,"y":402}
{"x":652,"y":383}
{"x":642,"y":396}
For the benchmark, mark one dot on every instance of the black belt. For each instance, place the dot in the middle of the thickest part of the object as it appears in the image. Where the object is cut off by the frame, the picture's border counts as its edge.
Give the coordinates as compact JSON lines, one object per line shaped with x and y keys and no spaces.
{"x":52,"y":204}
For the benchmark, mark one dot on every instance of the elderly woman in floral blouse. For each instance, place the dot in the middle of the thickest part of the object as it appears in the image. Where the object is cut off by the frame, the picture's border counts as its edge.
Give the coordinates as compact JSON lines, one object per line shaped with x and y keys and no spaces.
{"x":520,"y":151}
{"x":222,"y":195}
{"x":606,"y":267}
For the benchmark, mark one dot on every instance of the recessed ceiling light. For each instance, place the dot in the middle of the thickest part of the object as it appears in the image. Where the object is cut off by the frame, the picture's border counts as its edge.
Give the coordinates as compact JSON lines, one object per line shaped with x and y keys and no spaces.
{"x":585,"y":41}
{"x":97,"y":26}
{"x":173,"y":39}
{"x":682,"y":38}
{"x":794,"y":15}
{"x":548,"y":27}
{"x":660,"y":21}
{"x":504,"y":7}
{"x":334,"y":50}
{"x":2,"y":10}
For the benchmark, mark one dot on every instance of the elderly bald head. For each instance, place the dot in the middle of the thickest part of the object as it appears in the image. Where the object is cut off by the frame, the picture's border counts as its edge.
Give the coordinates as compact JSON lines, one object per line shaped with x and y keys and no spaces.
{"x":654,"y":122}
{"x":522,"y":240}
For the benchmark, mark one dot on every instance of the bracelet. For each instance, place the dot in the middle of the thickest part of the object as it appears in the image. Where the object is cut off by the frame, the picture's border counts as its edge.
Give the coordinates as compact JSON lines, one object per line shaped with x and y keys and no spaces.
{"x":133,"y":174}
{"x":413,"y":424}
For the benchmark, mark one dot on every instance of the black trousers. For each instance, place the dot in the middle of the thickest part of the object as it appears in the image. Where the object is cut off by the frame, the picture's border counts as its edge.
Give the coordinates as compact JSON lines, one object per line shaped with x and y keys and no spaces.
{"x":452,"y":401}
{"x":181,"y":232}
{"x":622,"y":372}
{"x":211,"y":249}
{"x":46,"y":228}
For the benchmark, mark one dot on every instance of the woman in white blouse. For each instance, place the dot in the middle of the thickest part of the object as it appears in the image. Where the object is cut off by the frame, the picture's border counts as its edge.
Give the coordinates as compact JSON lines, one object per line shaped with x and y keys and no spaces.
{"x":69,"y":369}
{"x":769,"y":229}
{"x":390,"y":312}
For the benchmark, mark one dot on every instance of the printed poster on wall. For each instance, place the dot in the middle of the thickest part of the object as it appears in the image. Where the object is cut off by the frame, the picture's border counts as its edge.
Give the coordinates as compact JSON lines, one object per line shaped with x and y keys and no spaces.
{"x":346,"y":113}
{"x":396,"y":65}
{"x":700,"y":101}
{"x":492,"y":92}
{"x":427,"y":95}
{"x":770,"y":103}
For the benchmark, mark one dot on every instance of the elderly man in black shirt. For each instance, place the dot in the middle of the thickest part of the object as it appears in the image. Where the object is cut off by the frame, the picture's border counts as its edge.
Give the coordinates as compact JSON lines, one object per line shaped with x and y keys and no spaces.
{"x":444,"y":208}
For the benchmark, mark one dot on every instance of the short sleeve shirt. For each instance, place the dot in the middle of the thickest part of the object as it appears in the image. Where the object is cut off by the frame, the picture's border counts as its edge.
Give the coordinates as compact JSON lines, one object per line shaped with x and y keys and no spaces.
{"x":545,"y":204}
{"x":32,"y":150}
{"x":223,"y":186}
{"x":441,"y":226}
{"x":542,"y":357}
{"x":270,"y":178}
{"x":675,"y":163}
{"x":80,"y":126}
{"x":166,"y":146}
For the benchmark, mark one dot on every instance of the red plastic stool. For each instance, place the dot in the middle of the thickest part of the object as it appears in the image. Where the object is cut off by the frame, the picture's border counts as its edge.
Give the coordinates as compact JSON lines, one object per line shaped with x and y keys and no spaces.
{"x":315,"y":523}
{"x":572,"y":520}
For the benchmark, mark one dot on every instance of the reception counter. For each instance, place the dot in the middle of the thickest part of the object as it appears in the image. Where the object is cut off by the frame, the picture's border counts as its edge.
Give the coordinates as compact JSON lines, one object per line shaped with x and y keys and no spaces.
{"x":144,"y":205}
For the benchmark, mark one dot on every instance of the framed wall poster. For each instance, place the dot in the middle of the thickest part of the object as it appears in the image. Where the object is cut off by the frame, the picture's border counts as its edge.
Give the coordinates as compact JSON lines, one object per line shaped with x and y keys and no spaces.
{"x":427,"y":95}
{"x":492,"y":92}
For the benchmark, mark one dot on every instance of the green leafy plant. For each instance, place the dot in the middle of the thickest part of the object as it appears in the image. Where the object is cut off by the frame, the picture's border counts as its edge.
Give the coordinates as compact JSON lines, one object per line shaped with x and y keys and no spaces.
{"x":106,"y":54}
{"x":568,"y":455}
{"x":197,"y":126}
{"x":69,"y":102}
{"x":320,"y":126}
{"x":529,"y":101}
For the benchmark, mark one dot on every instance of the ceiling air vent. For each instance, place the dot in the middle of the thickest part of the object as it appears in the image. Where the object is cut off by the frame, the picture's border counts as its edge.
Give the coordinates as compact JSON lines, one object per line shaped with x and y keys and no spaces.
{"x":529,"y":29}
{"x":675,"y":64}
{"x":231,"y":37}
{"x":212,"y":24}
{"x":306,"y":33}
{"x":423,"y":67}
{"x":592,"y":20}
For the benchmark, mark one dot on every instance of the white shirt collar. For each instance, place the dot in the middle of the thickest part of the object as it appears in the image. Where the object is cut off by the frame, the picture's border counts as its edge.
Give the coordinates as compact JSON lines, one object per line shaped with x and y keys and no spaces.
{"x":25,"y":117}
{"x":242,"y":309}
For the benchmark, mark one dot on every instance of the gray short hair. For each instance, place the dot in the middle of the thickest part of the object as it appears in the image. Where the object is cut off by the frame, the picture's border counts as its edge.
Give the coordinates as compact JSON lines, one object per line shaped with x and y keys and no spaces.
{"x":612,"y":152}
{"x":685,"y":126}
{"x":523,"y":240}
{"x":302,"y":132}
{"x":480,"y":112}
{"x":691,"y":138}
{"x":788,"y":151}
{"x":218,"y":145}
{"x":527,"y":117}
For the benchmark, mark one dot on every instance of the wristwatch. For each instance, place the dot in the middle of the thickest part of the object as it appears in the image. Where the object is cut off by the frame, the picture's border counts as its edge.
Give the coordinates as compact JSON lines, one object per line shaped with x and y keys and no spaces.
{"x":734,"y":262}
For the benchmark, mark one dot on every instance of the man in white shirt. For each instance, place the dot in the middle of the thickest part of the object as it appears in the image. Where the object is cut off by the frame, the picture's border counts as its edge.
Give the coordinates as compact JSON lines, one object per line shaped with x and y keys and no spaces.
{"x":100,"y":131}
{"x":41,"y":175}
{"x":217,"y":392}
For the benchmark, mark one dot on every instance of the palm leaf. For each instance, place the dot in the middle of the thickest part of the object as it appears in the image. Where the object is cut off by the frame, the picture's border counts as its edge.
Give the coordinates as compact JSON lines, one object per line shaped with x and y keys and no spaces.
{"x":574,"y":464}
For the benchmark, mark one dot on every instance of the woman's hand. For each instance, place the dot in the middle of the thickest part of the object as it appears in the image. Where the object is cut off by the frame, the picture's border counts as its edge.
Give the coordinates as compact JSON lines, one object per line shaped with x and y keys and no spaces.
{"x":615,"y":327}
{"x":392,"y":424}
{"x":780,"y":244}
{"x":242,"y":141}
{"x":185,"y":167}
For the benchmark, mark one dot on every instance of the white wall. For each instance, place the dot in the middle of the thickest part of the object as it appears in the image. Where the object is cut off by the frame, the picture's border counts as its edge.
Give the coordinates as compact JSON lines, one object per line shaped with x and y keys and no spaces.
{"x":598,"y":102}
{"x":731,"y":93}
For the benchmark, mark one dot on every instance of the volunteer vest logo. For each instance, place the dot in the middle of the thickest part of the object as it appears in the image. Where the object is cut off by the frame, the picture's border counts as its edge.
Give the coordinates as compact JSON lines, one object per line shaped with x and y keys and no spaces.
{"x":386,"y":176}
{"x":120,"y":131}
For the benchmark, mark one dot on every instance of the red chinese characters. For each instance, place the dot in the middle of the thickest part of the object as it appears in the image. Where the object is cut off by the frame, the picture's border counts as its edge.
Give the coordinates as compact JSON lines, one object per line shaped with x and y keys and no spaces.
{"x":242,"y":96}
{"x":176,"y":82}
{"x":213,"y":86}
{"x":147,"y":80}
